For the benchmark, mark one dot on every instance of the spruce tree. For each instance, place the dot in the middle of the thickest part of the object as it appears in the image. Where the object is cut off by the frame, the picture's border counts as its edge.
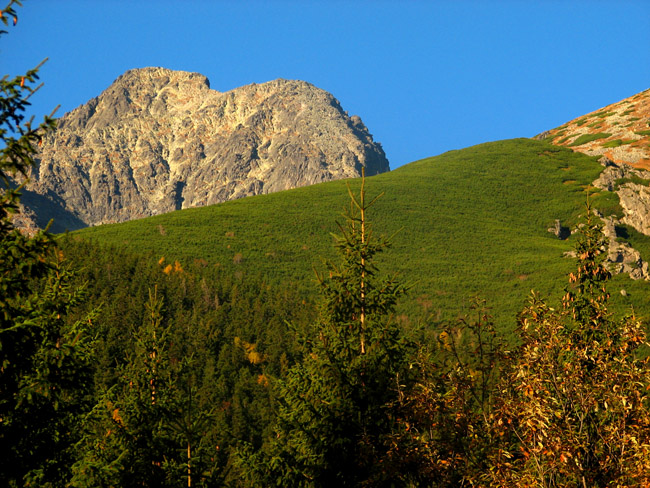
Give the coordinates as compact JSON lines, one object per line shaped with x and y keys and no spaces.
{"x":335,"y":406}
{"x":44,"y":359}
{"x":147,"y":428}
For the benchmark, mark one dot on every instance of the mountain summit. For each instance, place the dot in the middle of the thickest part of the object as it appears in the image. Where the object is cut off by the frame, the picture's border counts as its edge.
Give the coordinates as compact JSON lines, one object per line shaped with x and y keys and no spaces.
{"x":158,"y":140}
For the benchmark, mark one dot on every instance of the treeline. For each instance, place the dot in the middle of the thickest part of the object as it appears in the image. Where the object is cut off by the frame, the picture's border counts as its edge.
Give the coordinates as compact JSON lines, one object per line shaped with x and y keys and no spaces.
{"x":127,"y":370}
{"x":184,"y":360}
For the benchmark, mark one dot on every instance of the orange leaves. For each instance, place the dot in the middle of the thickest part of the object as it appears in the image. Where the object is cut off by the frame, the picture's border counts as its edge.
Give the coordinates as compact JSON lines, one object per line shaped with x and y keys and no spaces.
{"x":169,"y":269}
{"x":117,"y":417}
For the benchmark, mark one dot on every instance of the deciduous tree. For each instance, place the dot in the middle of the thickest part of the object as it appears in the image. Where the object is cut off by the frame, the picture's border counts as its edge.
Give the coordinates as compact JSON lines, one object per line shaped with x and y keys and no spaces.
{"x":575,"y":403}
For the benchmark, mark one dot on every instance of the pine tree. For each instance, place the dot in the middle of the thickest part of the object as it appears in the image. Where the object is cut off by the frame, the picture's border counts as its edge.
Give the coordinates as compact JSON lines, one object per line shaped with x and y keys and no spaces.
{"x":146,"y":429}
{"x":335,"y":406}
{"x":44,"y":360}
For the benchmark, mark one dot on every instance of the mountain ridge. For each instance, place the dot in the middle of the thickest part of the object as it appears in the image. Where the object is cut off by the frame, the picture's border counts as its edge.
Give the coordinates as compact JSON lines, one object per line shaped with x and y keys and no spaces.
{"x":158,"y":140}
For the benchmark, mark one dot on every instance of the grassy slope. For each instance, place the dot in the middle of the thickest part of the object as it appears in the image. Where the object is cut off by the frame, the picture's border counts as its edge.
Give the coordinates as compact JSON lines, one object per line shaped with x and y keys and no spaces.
{"x":472,"y":221}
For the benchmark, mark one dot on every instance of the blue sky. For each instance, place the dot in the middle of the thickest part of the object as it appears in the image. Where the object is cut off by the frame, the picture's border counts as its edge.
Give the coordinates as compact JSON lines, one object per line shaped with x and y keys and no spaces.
{"x":425,"y":77}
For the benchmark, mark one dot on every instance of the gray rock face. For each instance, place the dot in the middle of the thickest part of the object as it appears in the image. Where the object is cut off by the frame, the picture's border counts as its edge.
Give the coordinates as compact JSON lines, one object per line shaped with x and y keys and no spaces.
{"x":635,"y":201}
{"x":622,"y":257}
{"x":634,"y":197}
{"x":158,"y":140}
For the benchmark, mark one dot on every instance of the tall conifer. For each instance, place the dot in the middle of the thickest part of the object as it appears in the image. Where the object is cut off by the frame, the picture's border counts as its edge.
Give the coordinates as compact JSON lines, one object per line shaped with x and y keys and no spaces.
{"x":44,"y":361}
{"x":335,"y":405}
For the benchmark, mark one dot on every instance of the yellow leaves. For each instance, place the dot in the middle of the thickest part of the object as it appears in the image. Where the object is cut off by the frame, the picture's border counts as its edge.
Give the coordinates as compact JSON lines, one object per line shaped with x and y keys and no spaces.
{"x":528,"y":391}
{"x":169,"y":269}
{"x":253,"y":356}
{"x":263,"y":380}
{"x":445,"y":340}
{"x":161,"y":260}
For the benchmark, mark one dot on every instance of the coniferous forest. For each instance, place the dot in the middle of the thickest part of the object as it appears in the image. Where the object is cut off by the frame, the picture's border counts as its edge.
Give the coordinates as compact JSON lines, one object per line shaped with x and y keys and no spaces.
{"x":121,"y":369}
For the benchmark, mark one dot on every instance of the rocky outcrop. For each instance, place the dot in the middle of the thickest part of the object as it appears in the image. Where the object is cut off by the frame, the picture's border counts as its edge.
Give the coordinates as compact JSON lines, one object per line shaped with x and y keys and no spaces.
{"x":631,"y":186}
{"x":559,"y":231}
{"x":622,"y":257}
{"x":620,"y":132}
{"x":158,"y":140}
{"x":634,"y":198}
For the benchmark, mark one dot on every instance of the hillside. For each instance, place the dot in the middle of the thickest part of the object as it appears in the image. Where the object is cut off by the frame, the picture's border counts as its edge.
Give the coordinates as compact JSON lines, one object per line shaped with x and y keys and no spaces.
{"x":620,"y":132}
{"x":473,"y":221}
{"x":158,"y":140}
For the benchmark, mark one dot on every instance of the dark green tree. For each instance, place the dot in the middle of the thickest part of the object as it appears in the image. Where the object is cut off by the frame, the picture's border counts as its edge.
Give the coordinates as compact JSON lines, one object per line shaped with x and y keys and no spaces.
{"x":44,"y":360}
{"x":148,"y":428}
{"x":335,"y":411}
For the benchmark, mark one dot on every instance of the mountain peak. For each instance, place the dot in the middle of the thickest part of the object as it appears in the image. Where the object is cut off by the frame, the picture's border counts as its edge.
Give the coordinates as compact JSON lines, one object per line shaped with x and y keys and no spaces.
{"x":158,"y":140}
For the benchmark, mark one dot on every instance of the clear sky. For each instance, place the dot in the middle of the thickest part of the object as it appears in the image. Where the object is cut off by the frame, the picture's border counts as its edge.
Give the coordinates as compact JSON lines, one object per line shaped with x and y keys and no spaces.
{"x":425,"y":77}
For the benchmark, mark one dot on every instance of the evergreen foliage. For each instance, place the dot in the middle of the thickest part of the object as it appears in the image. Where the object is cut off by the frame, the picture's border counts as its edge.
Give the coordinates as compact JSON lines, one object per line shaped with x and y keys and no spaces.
{"x":335,"y":405}
{"x":221,"y":340}
{"x":44,"y":358}
{"x":145,"y":429}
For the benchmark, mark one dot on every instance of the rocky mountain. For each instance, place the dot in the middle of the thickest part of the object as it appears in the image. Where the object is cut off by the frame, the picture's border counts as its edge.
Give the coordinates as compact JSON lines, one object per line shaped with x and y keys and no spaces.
{"x":159,"y":140}
{"x":620,"y":134}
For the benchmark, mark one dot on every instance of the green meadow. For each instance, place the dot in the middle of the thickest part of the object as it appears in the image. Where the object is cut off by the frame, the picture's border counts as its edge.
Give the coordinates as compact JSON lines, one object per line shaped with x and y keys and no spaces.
{"x":471,"y":222}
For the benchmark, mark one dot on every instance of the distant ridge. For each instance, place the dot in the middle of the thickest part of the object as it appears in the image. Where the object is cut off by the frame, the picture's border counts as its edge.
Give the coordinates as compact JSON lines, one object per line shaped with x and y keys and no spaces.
{"x":158,"y":140}
{"x":620,"y":132}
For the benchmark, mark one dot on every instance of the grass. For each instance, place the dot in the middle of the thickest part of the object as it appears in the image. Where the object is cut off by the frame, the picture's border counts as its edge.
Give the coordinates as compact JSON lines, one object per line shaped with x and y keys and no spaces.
{"x":632,"y":179}
{"x":585,"y":138}
{"x":643,"y":132}
{"x":617,"y":143}
{"x":581,"y":122}
{"x":465,"y":223}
